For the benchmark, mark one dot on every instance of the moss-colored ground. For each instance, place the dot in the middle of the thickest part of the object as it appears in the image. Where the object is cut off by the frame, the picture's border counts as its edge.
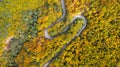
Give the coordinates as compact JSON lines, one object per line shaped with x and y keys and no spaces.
{"x":25,"y":21}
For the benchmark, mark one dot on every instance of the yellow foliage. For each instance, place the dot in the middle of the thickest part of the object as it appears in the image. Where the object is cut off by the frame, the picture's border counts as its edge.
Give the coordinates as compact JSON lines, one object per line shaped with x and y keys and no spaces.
{"x":98,"y":45}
